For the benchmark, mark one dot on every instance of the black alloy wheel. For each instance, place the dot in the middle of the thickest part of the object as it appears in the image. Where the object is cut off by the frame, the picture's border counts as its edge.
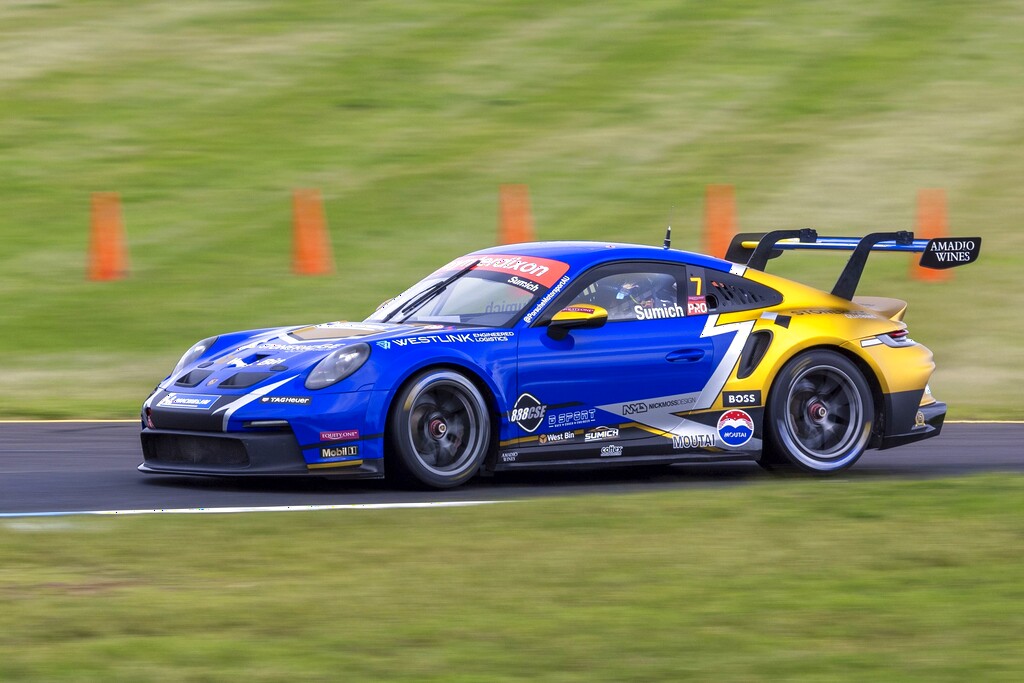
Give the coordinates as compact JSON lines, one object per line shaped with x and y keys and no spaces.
{"x":439,"y":430}
{"x":820,"y":414}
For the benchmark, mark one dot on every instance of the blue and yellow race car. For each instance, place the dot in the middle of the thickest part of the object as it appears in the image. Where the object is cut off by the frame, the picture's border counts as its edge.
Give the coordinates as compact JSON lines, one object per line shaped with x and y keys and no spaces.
{"x":566,"y":354}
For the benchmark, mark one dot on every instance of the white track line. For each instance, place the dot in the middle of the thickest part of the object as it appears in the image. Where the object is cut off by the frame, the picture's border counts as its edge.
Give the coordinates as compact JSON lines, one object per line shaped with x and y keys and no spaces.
{"x":274,"y":508}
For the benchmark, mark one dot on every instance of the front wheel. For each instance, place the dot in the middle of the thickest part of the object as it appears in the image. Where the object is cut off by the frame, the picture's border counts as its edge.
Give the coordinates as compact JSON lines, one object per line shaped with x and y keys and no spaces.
{"x":439,"y":430}
{"x":820,"y":414}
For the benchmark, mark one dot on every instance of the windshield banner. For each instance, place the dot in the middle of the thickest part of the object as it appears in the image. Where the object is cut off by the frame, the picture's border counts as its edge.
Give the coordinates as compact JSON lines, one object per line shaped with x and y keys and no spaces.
{"x":543,"y":271}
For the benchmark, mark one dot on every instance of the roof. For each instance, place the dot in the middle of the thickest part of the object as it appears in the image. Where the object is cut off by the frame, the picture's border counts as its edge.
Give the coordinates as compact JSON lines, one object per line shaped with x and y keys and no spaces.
{"x":581,"y":254}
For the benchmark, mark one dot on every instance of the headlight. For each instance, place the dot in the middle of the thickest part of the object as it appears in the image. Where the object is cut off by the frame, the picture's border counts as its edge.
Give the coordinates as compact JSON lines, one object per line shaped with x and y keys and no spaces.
{"x":337,"y":366}
{"x":193,"y":354}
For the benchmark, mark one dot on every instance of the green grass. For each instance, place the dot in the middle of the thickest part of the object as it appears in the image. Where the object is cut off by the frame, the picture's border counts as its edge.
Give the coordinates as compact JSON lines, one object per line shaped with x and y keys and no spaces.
{"x":798,"y":580}
{"x":408,"y":116}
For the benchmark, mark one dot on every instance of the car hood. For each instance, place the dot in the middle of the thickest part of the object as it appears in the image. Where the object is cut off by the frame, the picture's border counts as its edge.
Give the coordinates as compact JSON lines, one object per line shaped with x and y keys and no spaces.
{"x":313,"y":342}
{"x":297,"y":347}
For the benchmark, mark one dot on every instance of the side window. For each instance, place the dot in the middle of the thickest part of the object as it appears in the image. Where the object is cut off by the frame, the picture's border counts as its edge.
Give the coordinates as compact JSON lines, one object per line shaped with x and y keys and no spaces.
{"x":642,"y":294}
{"x":723,"y":292}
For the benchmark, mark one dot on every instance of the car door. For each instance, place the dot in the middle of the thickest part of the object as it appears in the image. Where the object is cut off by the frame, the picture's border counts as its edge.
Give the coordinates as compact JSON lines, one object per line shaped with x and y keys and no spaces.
{"x":597,"y":391}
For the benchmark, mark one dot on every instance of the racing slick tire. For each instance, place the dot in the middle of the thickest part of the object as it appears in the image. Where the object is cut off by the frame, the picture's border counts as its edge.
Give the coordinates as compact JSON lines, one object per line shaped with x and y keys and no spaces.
{"x":439,"y":430}
{"x":820,"y":415}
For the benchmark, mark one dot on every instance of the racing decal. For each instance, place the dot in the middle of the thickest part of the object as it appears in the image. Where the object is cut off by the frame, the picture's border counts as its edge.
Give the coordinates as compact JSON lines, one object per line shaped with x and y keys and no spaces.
{"x":528,"y":413}
{"x":662,"y":412}
{"x":601,"y":434}
{"x":188,"y":401}
{"x":287,"y":400}
{"x":571,"y":418}
{"x":552,"y":293}
{"x":557,"y":437}
{"x":659,"y":406}
{"x":341,"y":435}
{"x":693,"y":441}
{"x":741,"y":398}
{"x":453,"y":338}
{"x":543,"y":271}
{"x":296,"y":347}
{"x":611,"y":450}
{"x":659,"y":312}
{"x":919,"y":420}
{"x":947,"y":252}
{"x":580,"y":308}
{"x":339,"y":452}
{"x":517,"y":281}
{"x":735,"y":427}
{"x":732,"y":355}
{"x":736,"y":269}
{"x":509,"y":456}
{"x":230,"y":408}
{"x":696,"y":305}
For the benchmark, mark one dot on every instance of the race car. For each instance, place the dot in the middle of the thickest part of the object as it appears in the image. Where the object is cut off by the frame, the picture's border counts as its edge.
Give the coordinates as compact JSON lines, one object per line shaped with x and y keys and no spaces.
{"x":564,"y":355}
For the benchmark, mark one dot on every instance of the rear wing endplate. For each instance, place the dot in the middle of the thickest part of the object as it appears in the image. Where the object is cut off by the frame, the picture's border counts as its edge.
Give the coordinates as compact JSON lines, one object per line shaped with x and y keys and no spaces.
{"x":755,"y":249}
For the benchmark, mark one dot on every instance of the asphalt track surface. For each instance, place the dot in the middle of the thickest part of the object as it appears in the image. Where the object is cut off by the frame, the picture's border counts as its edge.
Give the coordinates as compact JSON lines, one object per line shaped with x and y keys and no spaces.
{"x":54,"y":467}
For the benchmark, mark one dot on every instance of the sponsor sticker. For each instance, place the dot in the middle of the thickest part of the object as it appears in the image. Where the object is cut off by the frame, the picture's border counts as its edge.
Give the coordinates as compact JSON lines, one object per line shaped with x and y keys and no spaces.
{"x":735,"y":428}
{"x":339,"y":452}
{"x":634,"y":408}
{"x":297,"y":348}
{"x":552,"y":293}
{"x":509,"y":456}
{"x":453,"y":338}
{"x":543,"y":271}
{"x":946,"y":252}
{"x":571,"y":418}
{"x":523,"y":284}
{"x":696,"y":305}
{"x":919,"y":420}
{"x":659,"y":312}
{"x":688,"y":442}
{"x":287,"y":400}
{"x":340,"y":435}
{"x":580,"y":308}
{"x":611,"y":450}
{"x":528,"y":413}
{"x":601,"y":433}
{"x":741,"y":398}
{"x":557,"y":437}
{"x":188,"y":401}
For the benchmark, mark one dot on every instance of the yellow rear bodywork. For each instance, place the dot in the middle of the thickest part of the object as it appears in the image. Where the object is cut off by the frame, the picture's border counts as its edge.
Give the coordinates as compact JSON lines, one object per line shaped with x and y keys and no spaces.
{"x":808,"y":318}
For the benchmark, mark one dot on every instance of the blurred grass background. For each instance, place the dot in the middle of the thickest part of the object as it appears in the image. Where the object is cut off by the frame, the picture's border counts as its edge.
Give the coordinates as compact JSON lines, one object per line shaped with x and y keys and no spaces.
{"x":791,"y":580}
{"x":408,"y":116}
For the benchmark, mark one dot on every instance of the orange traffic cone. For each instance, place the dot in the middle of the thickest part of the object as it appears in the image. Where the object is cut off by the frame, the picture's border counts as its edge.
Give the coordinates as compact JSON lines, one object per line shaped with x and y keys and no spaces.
{"x":311,"y":245}
{"x":719,"y":219}
{"x":931,"y":223}
{"x":108,"y":255}
{"x":515,"y":223}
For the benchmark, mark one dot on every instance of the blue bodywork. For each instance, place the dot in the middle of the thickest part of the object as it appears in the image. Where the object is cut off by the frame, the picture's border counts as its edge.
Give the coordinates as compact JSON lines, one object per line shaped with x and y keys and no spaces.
{"x":598,"y":395}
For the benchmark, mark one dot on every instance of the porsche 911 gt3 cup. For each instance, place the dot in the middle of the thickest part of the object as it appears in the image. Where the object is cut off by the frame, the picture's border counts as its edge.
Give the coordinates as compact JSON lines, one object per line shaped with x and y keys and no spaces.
{"x":566,"y":354}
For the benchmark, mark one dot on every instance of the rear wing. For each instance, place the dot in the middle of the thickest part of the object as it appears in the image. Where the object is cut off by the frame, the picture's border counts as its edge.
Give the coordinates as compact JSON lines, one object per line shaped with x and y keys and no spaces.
{"x":755,"y":248}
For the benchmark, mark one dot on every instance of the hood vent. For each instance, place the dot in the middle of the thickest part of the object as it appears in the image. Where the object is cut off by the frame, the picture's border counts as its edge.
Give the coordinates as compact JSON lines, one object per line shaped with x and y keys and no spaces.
{"x":193,"y":378}
{"x":240,"y":380}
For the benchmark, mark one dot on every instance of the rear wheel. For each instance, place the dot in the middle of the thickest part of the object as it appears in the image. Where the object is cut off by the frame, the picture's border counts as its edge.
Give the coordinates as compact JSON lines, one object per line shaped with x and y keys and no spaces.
{"x":439,"y":430}
{"x":820,"y":414}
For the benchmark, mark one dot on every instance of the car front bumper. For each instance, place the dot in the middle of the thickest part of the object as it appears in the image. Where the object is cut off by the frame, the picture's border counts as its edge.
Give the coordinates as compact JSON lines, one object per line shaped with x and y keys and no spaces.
{"x":241,"y":454}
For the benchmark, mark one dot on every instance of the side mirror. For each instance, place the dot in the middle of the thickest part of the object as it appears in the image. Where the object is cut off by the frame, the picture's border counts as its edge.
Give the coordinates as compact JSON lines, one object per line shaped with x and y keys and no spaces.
{"x":578,"y":316}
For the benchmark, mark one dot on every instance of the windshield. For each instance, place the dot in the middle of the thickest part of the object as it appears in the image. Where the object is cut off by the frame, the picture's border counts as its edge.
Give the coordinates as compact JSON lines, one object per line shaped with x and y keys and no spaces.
{"x":493,"y":294}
